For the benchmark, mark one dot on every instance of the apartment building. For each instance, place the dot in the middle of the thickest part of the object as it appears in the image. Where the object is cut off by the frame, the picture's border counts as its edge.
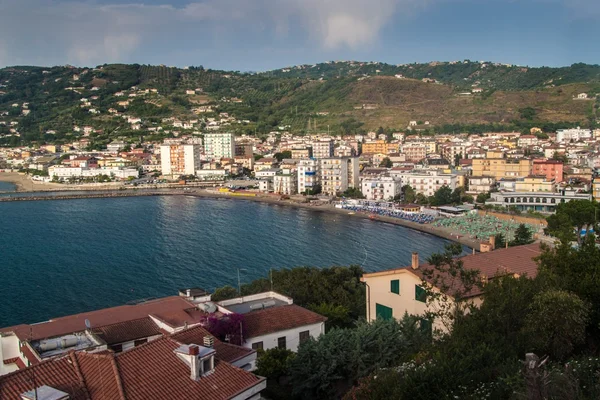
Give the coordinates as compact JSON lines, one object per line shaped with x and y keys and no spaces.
{"x":180,"y":159}
{"x":452,"y":150}
{"x":243,"y":149}
{"x":426,"y":182}
{"x":536,"y":201}
{"x":414,"y":151}
{"x":535,"y":184}
{"x":551,"y":169}
{"x":308,"y":175}
{"x":567,"y":135}
{"x":339,"y":174}
{"x":286,"y":184}
{"x":300,"y":153}
{"x":381,"y":188}
{"x":375,"y":147}
{"x":596,"y":189}
{"x":219,"y":145}
{"x":501,"y":167}
{"x":481,"y":184}
{"x":323,"y":148}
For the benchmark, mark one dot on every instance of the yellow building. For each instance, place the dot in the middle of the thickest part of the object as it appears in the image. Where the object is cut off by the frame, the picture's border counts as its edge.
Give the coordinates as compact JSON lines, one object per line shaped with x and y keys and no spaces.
{"x":534,"y":184}
{"x":392,"y":293}
{"x":502,"y":168}
{"x":375,"y":147}
{"x":596,"y":189}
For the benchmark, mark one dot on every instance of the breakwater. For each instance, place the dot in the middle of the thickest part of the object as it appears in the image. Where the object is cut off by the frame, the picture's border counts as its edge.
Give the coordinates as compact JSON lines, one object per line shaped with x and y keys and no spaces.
{"x":84,"y":196}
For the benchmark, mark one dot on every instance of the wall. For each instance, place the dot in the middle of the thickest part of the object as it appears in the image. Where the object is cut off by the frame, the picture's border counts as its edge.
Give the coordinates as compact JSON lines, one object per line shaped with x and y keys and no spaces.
{"x":516,"y":218}
{"x":292,"y":337}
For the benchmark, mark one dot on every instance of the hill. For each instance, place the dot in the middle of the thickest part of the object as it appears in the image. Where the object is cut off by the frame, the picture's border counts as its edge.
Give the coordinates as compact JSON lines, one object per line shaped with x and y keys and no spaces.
{"x":46,"y":104}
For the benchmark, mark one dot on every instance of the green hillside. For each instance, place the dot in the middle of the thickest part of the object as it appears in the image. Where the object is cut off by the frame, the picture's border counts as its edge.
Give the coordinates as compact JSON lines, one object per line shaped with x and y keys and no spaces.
{"x":342,"y":97}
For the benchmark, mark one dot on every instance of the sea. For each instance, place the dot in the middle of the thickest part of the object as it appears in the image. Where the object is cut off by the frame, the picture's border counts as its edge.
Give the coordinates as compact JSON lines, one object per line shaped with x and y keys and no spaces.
{"x":69,"y":256}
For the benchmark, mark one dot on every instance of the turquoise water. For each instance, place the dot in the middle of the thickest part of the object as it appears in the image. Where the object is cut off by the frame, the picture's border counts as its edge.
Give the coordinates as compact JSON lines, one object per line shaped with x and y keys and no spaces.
{"x":69,"y":256}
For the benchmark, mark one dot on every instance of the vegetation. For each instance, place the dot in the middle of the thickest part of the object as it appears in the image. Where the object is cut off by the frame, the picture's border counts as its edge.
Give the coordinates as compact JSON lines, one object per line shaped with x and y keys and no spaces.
{"x":353,"y":193}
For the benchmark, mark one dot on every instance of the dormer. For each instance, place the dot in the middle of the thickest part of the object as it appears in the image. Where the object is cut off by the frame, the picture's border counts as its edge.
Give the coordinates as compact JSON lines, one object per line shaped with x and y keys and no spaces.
{"x":200,"y":359}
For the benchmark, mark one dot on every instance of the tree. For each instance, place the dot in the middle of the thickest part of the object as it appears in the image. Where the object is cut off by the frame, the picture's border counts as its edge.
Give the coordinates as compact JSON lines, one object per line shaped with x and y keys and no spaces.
{"x":224,"y":293}
{"x":442,"y":196}
{"x":527,"y":113}
{"x":560,"y":157}
{"x":500,"y":240}
{"x":274,"y":363}
{"x":522,"y":236}
{"x":338,"y":316}
{"x":410,"y":195}
{"x":573,"y":214}
{"x":557,"y":322}
{"x":353,"y":193}
{"x":482,"y":197}
{"x":283,"y":155}
{"x":386,"y":163}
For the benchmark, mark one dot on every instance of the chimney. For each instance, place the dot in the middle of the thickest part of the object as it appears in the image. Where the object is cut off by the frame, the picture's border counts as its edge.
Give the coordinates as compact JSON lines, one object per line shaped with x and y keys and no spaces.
{"x":193,"y":353}
{"x":415,"y":260}
{"x":209,"y":341}
{"x":493,"y":242}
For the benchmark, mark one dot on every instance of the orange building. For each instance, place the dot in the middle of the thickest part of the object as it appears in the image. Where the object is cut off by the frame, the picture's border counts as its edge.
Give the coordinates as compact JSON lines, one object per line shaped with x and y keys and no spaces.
{"x":551,"y":169}
{"x":375,"y":147}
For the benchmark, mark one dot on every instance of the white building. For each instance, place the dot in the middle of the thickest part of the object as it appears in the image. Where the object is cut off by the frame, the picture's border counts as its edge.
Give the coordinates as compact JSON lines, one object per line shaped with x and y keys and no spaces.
{"x":339,"y":174}
{"x":115,"y":146}
{"x":381,"y":188}
{"x":285,"y":184}
{"x":426,"y":182}
{"x":63,"y":172}
{"x":219,"y":145}
{"x":274,"y":321}
{"x":566,"y":135}
{"x":323,"y":148}
{"x":308,"y":175}
{"x":180,"y":159}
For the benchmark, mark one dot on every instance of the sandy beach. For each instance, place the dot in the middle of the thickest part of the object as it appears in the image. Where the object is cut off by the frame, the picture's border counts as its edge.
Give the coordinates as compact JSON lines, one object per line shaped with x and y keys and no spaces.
{"x":25,"y":184}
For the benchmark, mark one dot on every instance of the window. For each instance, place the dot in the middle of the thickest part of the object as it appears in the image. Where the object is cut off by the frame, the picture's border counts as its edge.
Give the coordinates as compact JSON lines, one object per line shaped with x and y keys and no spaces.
{"x":395,"y":286}
{"x":426,"y":326}
{"x":304,"y":335}
{"x":420,"y":294}
{"x":257,"y":346}
{"x":281,"y":342}
{"x":206,"y":367}
{"x":140,"y":342}
{"x":117,"y":348}
{"x":383,"y":312}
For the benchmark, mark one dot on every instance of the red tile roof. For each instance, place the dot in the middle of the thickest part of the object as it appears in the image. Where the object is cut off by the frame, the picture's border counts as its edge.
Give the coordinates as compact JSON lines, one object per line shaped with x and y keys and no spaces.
{"x":227,"y":352}
{"x":268,"y":320}
{"x":149,"y":371}
{"x":168,"y":308}
{"x":128,"y":330}
{"x":518,"y":260}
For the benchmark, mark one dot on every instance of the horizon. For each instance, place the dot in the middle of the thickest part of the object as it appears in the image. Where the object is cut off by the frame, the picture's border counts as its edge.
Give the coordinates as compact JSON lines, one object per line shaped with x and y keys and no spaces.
{"x":237,"y":35}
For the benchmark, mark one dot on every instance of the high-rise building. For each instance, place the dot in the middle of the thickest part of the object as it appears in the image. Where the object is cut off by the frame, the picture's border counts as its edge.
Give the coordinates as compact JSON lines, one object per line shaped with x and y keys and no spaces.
{"x":180,"y":159}
{"x":308,"y":175}
{"x":219,"y":145}
{"x":339,"y":174}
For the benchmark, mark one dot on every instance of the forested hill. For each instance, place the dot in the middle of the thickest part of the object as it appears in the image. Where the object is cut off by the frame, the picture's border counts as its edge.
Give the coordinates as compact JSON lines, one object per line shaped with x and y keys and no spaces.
{"x":45,"y":104}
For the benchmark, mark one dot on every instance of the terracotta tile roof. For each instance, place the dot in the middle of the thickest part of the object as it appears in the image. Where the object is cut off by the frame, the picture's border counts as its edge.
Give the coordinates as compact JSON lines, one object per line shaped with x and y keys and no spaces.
{"x":149,"y":371}
{"x":58,"y":373}
{"x":128,"y":330}
{"x":514,"y":260}
{"x":171,"y":308}
{"x":226,"y":352}
{"x":275,"y":319}
{"x":16,"y":360}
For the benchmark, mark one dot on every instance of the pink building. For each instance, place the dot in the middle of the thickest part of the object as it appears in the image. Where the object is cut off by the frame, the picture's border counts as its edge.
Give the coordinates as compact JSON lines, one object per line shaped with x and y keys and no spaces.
{"x":551,"y":169}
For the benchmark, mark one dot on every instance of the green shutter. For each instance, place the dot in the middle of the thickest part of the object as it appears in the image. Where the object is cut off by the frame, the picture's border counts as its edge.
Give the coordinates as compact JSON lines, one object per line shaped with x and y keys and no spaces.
{"x":426,"y":326}
{"x":420,"y":294}
{"x":395,"y":286}
{"x":383,"y":312}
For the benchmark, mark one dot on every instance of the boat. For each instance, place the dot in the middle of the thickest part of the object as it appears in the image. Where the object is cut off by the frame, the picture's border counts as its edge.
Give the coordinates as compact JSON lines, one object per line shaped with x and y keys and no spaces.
{"x":351,"y":213}
{"x":372,"y":216}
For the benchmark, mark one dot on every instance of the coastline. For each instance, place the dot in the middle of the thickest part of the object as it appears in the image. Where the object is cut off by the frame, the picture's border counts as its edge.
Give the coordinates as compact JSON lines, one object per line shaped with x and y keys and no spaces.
{"x":25,"y":185}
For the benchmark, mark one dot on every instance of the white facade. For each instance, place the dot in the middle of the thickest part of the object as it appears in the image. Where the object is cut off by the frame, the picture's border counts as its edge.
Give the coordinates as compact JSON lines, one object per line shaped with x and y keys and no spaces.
{"x":323,"y":148}
{"x":211,"y":174}
{"x":566,"y":135}
{"x":381,"y":188}
{"x":339,"y":174}
{"x":308,"y":175}
{"x":61,"y":172}
{"x":180,"y":159}
{"x":292,"y":337}
{"x":219,"y":145}
{"x":426,"y":182}
{"x":285,"y":184}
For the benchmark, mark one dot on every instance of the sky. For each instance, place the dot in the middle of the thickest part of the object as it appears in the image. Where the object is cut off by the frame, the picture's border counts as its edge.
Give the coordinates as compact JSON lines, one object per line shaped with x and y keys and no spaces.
{"x":259,"y":35}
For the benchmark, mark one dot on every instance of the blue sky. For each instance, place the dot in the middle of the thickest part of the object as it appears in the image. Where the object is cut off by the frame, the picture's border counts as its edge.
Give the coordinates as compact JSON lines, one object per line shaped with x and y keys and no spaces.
{"x":257,"y":35}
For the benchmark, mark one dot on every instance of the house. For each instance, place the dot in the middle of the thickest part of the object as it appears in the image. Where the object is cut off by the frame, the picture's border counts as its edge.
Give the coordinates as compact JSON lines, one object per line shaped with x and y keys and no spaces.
{"x":191,"y":364}
{"x":394,"y":292}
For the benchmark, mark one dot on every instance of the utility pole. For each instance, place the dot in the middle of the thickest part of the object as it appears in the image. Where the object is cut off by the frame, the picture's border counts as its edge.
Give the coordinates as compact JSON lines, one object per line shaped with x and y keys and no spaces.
{"x":239,"y":282}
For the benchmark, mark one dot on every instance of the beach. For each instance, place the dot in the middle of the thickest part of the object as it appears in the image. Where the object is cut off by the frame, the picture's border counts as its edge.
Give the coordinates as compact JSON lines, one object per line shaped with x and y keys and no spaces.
{"x":25,"y":184}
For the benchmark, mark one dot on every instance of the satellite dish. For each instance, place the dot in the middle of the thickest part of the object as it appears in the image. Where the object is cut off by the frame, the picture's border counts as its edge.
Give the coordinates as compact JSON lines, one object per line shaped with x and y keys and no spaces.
{"x":87,"y":323}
